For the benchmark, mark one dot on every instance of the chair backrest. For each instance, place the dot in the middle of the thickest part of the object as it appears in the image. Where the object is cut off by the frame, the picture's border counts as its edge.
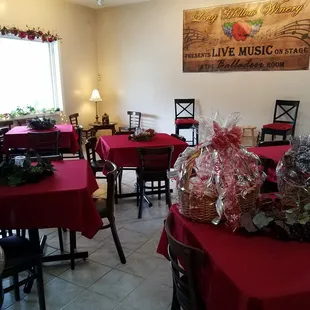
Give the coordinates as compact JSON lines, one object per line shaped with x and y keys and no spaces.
{"x":186,"y":263}
{"x":49,"y":157}
{"x":184,"y":108}
{"x":79,"y":130}
{"x":7,"y":124}
{"x":23,"y":121}
{"x":127,"y":132}
{"x":90,"y":147}
{"x":44,"y":143}
{"x":286,"y":112}
{"x":134,"y":119}
{"x":273,"y":143}
{"x":178,"y":137}
{"x":73,"y":118}
{"x":155,"y":159}
{"x":110,"y":170}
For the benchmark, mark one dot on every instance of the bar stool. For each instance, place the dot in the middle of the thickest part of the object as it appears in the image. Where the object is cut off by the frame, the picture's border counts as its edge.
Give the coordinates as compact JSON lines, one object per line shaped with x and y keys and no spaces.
{"x":251,"y":135}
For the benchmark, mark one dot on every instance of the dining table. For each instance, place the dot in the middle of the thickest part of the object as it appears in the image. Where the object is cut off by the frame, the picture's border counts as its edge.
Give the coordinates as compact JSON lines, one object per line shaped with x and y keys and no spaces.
{"x":123,"y":151}
{"x":272,"y":152}
{"x":63,"y":199}
{"x":245,"y":272}
{"x":17,"y":137}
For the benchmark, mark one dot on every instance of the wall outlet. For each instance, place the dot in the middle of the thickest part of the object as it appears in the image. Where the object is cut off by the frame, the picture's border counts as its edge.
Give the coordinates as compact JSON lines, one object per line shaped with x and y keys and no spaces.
{"x":99,"y":77}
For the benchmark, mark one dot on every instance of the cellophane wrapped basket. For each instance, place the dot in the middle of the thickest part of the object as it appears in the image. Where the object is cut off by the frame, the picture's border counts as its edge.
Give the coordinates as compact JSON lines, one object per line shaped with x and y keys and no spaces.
{"x":293,"y":174}
{"x":219,"y":179}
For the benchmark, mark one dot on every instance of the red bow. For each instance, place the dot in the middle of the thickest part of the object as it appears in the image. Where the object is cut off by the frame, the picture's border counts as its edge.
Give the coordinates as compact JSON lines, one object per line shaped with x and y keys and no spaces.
{"x":224,"y":138}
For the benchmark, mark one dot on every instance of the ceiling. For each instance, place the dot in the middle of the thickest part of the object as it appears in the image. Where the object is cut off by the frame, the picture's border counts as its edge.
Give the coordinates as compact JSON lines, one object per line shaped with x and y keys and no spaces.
{"x":93,"y":3}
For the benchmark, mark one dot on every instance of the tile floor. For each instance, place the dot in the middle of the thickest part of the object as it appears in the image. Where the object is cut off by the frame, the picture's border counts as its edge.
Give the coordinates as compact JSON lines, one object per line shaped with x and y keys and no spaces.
{"x":102,"y":282}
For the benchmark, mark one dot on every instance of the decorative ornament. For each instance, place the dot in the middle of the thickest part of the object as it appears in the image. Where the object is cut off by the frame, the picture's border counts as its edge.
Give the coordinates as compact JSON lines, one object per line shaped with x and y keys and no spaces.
{"x":30,"y":33}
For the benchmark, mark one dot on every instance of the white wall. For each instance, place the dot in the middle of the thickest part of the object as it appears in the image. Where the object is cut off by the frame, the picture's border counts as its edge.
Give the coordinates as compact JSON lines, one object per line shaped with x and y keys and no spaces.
{"x":140,"y":62}
{"x":77,"y":26}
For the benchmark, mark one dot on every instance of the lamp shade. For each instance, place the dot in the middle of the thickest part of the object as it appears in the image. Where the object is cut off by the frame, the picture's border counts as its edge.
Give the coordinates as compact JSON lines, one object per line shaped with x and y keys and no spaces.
{"x":95,"y":96}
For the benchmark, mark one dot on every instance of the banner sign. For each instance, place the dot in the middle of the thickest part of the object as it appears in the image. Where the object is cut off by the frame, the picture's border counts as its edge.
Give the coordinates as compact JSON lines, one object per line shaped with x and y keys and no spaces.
{"x":272,"y":35}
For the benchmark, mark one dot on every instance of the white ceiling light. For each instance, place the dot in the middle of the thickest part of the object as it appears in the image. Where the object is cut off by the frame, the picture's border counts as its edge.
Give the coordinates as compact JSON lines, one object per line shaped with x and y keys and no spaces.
{"x":100,"y":2}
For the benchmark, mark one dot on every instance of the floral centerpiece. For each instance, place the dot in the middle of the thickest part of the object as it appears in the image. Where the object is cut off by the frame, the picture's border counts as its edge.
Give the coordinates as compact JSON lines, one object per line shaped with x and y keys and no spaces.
{"x":219,"y":179}
{"x":12,"y":174}
{"x":41,"y":124}
{"x":142,"y":135}
{"x":273,"y":218}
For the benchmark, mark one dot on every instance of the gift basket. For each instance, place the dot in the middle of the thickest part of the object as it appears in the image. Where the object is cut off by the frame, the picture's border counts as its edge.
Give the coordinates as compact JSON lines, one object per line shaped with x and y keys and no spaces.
{"x":219,"y":179}
{"x":293,"y":174}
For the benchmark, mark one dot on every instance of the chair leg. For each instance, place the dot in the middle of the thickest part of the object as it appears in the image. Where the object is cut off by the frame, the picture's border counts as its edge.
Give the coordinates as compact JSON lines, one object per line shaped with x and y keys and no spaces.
{"x":193,"y":135}
{"x":120,"y":178}
{"x":72,"y":248}
{"x":138,"y":193}
{"x":40,"y":286}
{"x":16,"y":287}
{"x":159,"y":189}
{"x":197,"y":135}
{"x":168,"y":195}
{"x":263,"y":135}
{"x":141,"y":194}
{"x":117,"y":242}
{"x":175,"y":303}
{"x":284,"y":137}
{"x":115,"y":195}
{"x":61,"y":243}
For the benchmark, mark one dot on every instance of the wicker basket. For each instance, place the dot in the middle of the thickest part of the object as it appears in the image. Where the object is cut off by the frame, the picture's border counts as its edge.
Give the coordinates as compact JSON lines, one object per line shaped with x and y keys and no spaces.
{"x":202,"y":209}
{"x":197,"y":209}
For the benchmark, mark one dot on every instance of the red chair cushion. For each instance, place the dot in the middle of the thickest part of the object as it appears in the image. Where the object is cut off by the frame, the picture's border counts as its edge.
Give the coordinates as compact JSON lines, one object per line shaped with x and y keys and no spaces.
{"x":186,"y":121}
{"x":278,"y":126}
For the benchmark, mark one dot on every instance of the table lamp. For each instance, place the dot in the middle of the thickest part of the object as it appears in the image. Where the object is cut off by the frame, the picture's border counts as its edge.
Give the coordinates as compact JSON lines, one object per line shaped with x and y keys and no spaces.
{"x":95,"y":97}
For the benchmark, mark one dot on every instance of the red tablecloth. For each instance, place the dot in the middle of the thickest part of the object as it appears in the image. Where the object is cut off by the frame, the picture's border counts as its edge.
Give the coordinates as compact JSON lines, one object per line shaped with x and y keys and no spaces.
{"x":246,"y":273}
{"x":123,"y":153}
{"x":273,"y":152}
{"x":61,"y":200}
{"x":17,"y":137}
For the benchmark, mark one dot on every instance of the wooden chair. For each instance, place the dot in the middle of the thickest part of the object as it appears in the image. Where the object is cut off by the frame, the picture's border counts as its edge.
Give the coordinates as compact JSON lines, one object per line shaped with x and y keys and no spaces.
{"x":44,"y":143}
{"x":74,"y":121}
{"x":185,"y":282}
{"x":273,"y":143}
{"x":7,"y":124}
{"x":23,"y":121}
{"x":3,"y":131}
{"x":185,"y":118}
{"x":178,"y":137}
{"x":105,"y":208}
{"x":79,"y":155}
{"x":154,"y":165}
{"x":268,"y":186}
{"x":96,"y":165}
{"x":287,"y":109}
{"x":134,"y":121}
{"x":121,"y":169}
{"x":23,"y":255}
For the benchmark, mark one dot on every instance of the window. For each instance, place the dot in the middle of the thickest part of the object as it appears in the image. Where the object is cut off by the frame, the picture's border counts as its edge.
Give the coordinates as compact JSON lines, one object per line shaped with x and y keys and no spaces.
{"x":29,"y":75}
